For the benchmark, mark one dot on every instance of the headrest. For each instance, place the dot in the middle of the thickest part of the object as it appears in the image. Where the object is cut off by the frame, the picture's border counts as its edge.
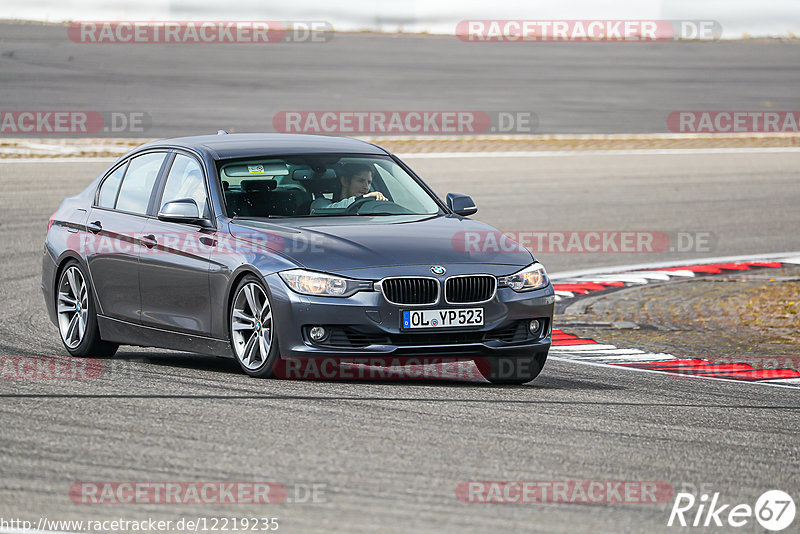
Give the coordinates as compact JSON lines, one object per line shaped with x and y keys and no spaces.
{"x":303,"y":174}
{"x":309,"y":174}
{"x":259,"y":185}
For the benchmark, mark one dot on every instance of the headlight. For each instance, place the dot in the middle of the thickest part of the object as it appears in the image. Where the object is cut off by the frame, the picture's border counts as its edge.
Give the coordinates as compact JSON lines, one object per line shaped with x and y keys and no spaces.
{"x":321,"y":284}
{"x":532,"y":277}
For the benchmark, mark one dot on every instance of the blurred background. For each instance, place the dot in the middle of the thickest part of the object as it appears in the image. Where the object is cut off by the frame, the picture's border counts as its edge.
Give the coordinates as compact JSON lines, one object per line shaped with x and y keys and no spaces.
{"x":739,"y":18}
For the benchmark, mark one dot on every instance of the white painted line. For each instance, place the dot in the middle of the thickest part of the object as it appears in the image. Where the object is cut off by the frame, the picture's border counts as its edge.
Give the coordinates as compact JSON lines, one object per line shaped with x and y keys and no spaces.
{"x":662,"y":373}
{"x":594,"y":153}
{"x":472,"y":155}
{"x":685,"y":274}
{"x":59,"y":160}
{"x":773,"y":256}
{"x":609,"y":278}
{"x":653,"y":275}
{"x":618,"y":352}
{"x":646,"y":357}
{"x":377,"y":139}
{"x":791,"y":260}
{"x":567,"y":348}
{"x":634,"y":277}
{"x":628,"y":279}
{"x":614,"y":360}
{"x":783,"y":381}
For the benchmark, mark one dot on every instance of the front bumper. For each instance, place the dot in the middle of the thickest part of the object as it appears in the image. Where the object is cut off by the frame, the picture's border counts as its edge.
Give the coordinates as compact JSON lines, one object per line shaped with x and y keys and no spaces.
{"x":371,"y":315}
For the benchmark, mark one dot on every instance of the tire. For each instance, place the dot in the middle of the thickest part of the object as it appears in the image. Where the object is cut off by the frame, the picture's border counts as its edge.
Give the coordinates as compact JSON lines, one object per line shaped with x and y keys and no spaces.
{"x":513,"y":370}
{"x":251,"y":329}
{"x":76,"y":314}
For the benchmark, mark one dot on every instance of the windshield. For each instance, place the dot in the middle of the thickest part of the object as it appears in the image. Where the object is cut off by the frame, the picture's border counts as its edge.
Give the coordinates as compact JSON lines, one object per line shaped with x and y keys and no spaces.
{"x":321,"y":186}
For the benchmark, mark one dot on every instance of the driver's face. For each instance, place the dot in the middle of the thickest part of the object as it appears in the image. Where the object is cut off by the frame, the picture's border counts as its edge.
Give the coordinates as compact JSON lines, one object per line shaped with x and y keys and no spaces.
{"x":358,"y":185}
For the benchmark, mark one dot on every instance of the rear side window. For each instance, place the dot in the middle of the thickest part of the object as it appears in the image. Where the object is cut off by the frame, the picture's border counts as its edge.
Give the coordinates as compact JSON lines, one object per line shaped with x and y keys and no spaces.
{"x":134,"y":195}
{"x":108,"y":191}
{"x":186,"y":180}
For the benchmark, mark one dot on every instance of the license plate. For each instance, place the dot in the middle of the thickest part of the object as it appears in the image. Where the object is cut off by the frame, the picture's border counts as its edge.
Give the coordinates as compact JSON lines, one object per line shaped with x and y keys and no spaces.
{"x":442,"y":318}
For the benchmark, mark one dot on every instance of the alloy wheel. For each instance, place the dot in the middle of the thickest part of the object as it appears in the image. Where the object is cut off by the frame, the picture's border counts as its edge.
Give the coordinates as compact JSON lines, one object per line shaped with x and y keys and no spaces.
{"x":251,"y":326}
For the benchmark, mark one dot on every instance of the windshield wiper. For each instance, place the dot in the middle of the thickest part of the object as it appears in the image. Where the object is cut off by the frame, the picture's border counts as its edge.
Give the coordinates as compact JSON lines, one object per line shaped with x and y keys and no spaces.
{"x":237,"y":217}
{"x":383,"y":213}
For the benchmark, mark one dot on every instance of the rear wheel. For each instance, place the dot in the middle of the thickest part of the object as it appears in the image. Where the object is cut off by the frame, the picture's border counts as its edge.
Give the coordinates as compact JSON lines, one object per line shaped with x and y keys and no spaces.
{"x":252,"y":333}
{"x":77,"y":319}
{"x":513,"y":370}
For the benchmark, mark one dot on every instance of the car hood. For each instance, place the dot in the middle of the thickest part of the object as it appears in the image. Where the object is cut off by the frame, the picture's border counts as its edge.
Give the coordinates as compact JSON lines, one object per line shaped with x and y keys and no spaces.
{"x":347,"y":243}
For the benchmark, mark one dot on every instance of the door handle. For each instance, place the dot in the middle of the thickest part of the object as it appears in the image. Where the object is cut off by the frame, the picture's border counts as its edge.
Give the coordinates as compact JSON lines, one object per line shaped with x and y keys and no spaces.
{"x":149,"y":241}
{"x":207,"y":241}
{"x":94,"y":227}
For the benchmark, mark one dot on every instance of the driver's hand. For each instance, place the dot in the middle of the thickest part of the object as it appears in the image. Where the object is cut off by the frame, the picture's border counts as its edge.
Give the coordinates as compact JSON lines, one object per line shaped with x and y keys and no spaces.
{"x":377,"y":195}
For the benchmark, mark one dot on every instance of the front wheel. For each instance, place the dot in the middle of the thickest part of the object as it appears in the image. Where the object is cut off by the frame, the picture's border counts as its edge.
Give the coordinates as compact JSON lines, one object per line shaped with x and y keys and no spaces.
{"x":77,"y":319}
{"x":252,"y":331}
{"x":512,"y":370}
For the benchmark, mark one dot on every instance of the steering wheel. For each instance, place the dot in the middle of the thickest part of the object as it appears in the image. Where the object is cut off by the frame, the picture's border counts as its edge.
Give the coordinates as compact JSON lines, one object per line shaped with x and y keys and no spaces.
{"x":354,"y":208}
{"x":380,"y":207}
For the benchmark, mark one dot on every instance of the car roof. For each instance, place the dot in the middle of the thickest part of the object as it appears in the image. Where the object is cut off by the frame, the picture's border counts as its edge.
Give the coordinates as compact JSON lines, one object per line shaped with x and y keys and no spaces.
{"x":226,"y":146}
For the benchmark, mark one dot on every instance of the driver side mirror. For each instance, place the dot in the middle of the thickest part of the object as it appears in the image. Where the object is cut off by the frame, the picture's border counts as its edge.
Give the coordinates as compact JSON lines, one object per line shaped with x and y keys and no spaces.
{"x":184,"y":210}
{"x":461,"y":204}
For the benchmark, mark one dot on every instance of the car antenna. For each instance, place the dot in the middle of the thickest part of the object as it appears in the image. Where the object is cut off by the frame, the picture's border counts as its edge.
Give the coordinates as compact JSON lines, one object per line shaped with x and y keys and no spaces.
{"x":222,"y":132}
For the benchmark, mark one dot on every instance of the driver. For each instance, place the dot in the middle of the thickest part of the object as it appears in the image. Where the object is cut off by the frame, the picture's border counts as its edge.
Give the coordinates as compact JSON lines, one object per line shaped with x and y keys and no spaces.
{"x":356,"y":181}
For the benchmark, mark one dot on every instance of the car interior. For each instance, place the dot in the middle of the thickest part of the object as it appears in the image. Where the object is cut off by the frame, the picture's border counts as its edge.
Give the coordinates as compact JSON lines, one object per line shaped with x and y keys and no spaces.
{"x":284,"y":187}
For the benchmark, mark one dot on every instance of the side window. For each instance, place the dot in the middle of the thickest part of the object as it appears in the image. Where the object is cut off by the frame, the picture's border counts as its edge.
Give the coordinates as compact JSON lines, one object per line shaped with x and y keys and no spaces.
{"x":138,"y":183}
{"x":108,"y":191}
{"x":186,"y":180}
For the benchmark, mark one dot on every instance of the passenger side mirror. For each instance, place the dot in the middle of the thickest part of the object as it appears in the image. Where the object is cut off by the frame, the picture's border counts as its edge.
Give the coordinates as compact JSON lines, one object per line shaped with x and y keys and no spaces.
{"x":184,"y":210}
{"x":461,"y":204}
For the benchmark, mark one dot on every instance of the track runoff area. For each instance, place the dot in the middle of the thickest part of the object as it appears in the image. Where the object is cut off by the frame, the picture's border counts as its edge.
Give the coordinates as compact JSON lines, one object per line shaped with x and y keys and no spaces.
{"x":569,"y":286}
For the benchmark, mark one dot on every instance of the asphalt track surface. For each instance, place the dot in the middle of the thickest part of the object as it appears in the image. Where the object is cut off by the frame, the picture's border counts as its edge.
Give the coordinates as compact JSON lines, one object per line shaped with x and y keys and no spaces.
{"x":571,"y":87}
{"x":391,"y":454}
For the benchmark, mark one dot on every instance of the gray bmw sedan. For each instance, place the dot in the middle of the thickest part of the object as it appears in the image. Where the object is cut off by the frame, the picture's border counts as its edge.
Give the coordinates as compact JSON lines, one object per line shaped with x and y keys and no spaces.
{"x":275,"y":248}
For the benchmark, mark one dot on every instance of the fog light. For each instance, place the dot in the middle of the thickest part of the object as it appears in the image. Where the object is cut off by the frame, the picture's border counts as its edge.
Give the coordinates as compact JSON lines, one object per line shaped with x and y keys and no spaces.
{"x":317,"y":333}
{"x":534,"y":326}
